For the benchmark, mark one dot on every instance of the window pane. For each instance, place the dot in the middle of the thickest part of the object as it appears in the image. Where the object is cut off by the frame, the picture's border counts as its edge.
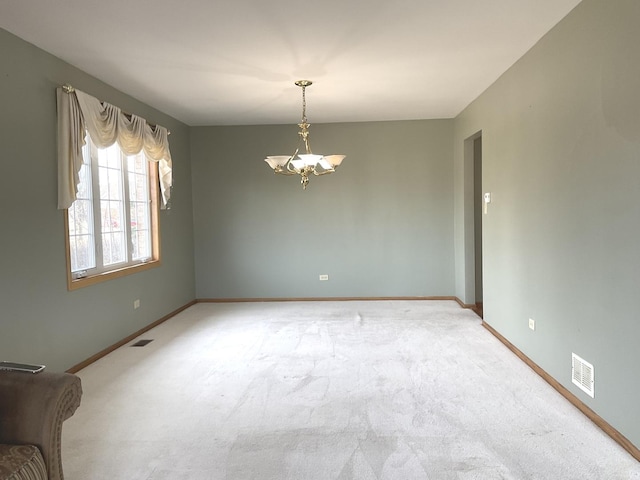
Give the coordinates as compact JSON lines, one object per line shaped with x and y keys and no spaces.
{"x":84,"y":217}
{"x":71,"y":216}
{"x":102,"y":157}
{"x":138,"y":187}
{"x":113,"y":234}
{"x":138,"y":178}
{"x":141,"y":246}
{"x":137,"y":163}
{"x":111,"y":212}
{"x":112,"y":206}
{"x":112,"y":249}
{"x":117,"y":248}
{"x":141,"y":164}
{"x":84,"y":188}
{"x":106,"y":250}
{"x":137,"y":167}
{"x":80,"y":221}
{"x":110,"y":157}
{"x":81,"y":218}
{"x":114,"y":156}
{"x":82,"y":257}
{"x":110,"y":183}
{"x":135,"y":252}
{"x":140,"y":234}
{"x":142,"y":215}
{"x":115,"y":184}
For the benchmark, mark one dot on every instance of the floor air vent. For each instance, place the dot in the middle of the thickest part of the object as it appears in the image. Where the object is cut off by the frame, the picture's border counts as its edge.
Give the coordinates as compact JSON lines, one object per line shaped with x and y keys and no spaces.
{"x":142,"y":343}
{"x":582,"y":374}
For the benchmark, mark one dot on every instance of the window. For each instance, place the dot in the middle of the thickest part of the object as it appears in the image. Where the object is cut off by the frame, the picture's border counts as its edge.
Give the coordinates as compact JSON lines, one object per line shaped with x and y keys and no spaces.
{"x":112,"y":226}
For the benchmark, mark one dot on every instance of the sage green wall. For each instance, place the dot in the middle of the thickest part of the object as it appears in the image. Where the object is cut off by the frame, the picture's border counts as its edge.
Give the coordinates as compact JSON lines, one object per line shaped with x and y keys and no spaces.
{"x":40,"y":321}
{"x":561,"y":157}
{"x":381,"y":226}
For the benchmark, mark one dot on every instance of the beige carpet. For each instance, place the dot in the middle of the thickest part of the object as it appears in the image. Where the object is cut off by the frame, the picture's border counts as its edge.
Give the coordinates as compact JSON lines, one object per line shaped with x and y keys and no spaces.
{"x":401,"y":390}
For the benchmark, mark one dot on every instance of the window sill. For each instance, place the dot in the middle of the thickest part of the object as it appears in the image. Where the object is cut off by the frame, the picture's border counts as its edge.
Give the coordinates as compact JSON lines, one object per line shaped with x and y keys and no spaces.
{"x":75,"y":284}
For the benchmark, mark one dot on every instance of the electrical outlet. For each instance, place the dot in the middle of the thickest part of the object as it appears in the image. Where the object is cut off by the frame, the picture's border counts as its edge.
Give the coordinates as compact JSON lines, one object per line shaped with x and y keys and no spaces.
{"x":136,"y":304}
{"x":324,"y":278}
{"x":532,"y":324}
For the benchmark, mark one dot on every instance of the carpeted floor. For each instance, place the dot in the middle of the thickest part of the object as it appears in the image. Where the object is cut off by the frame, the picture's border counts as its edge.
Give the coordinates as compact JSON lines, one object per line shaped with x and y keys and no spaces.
{"x":402,"y":390}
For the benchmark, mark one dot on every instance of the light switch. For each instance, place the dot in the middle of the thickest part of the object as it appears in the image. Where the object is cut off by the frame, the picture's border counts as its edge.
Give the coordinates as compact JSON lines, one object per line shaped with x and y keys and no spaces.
{"x":487,"y":201}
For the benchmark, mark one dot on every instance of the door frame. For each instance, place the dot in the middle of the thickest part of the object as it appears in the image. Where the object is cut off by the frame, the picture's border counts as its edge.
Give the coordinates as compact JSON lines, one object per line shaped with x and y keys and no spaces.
{"x":469,"y":219}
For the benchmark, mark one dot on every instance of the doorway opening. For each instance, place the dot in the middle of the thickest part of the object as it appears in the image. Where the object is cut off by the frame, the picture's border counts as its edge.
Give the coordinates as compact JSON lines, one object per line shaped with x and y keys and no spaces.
{"x":473,"y":213}
{"x":478,"y":200}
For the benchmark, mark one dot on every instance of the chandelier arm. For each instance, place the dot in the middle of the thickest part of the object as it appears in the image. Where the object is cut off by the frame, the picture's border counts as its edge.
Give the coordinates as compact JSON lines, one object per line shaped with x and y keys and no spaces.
{"x":324,"y":172}
{"x":282,"y":171}
{"x":290,"y":167}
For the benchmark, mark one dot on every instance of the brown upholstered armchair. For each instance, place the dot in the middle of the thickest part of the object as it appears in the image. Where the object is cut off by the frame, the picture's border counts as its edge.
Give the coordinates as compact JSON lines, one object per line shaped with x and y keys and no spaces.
{"x":32,"y":409}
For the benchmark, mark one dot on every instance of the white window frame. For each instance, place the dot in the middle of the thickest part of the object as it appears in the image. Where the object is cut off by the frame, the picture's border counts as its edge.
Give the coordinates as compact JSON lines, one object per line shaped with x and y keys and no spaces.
{"x":101,"y":272}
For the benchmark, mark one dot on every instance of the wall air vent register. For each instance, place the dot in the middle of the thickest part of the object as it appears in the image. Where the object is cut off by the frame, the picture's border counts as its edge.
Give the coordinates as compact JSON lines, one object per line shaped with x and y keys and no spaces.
{"x":582,"y":374}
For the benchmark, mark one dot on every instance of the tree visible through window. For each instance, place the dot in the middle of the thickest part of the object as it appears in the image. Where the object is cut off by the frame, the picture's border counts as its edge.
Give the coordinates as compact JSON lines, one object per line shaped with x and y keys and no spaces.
{"x":112,"y":225}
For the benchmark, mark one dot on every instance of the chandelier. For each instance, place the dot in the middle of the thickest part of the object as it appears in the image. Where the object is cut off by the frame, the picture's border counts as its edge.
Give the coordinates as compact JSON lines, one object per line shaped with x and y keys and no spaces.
{"x":304,"y":164}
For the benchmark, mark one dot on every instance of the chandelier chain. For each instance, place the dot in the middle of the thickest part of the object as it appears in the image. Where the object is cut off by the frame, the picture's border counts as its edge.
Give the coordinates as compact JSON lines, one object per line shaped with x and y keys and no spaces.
{"x":304,"y":104}
{"x":304,"y":126}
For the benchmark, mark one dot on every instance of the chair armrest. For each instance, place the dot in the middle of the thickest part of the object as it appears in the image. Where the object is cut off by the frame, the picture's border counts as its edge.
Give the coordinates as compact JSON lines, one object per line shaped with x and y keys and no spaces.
{"x":32,"y":409}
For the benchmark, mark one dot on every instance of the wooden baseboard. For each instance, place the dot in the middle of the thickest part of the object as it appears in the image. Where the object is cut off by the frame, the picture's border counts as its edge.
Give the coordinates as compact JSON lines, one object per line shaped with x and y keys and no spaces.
{"x":124,"y":341}
{"x":476,"y":307}
{"x":575,"y":401}
{"x":462,"y":304}
{"x":316,"y":299}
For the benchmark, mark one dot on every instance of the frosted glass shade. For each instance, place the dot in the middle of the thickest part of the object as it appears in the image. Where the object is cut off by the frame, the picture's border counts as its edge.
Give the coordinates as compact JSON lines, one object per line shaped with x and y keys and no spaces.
{"x":277,"y":160}
{"x":324,"y":164}
{"x":297,"y":164}
{"x":310,"y":159}
{"x":335,"y":160}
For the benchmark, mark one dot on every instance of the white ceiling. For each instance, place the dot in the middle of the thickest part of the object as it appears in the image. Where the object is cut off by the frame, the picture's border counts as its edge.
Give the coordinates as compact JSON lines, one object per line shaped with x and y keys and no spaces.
{"x":233,"y":62}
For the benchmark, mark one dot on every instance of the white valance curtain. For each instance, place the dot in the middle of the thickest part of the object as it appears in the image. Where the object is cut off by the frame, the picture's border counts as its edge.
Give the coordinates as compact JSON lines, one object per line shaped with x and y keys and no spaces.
{"x":79,"y":114}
